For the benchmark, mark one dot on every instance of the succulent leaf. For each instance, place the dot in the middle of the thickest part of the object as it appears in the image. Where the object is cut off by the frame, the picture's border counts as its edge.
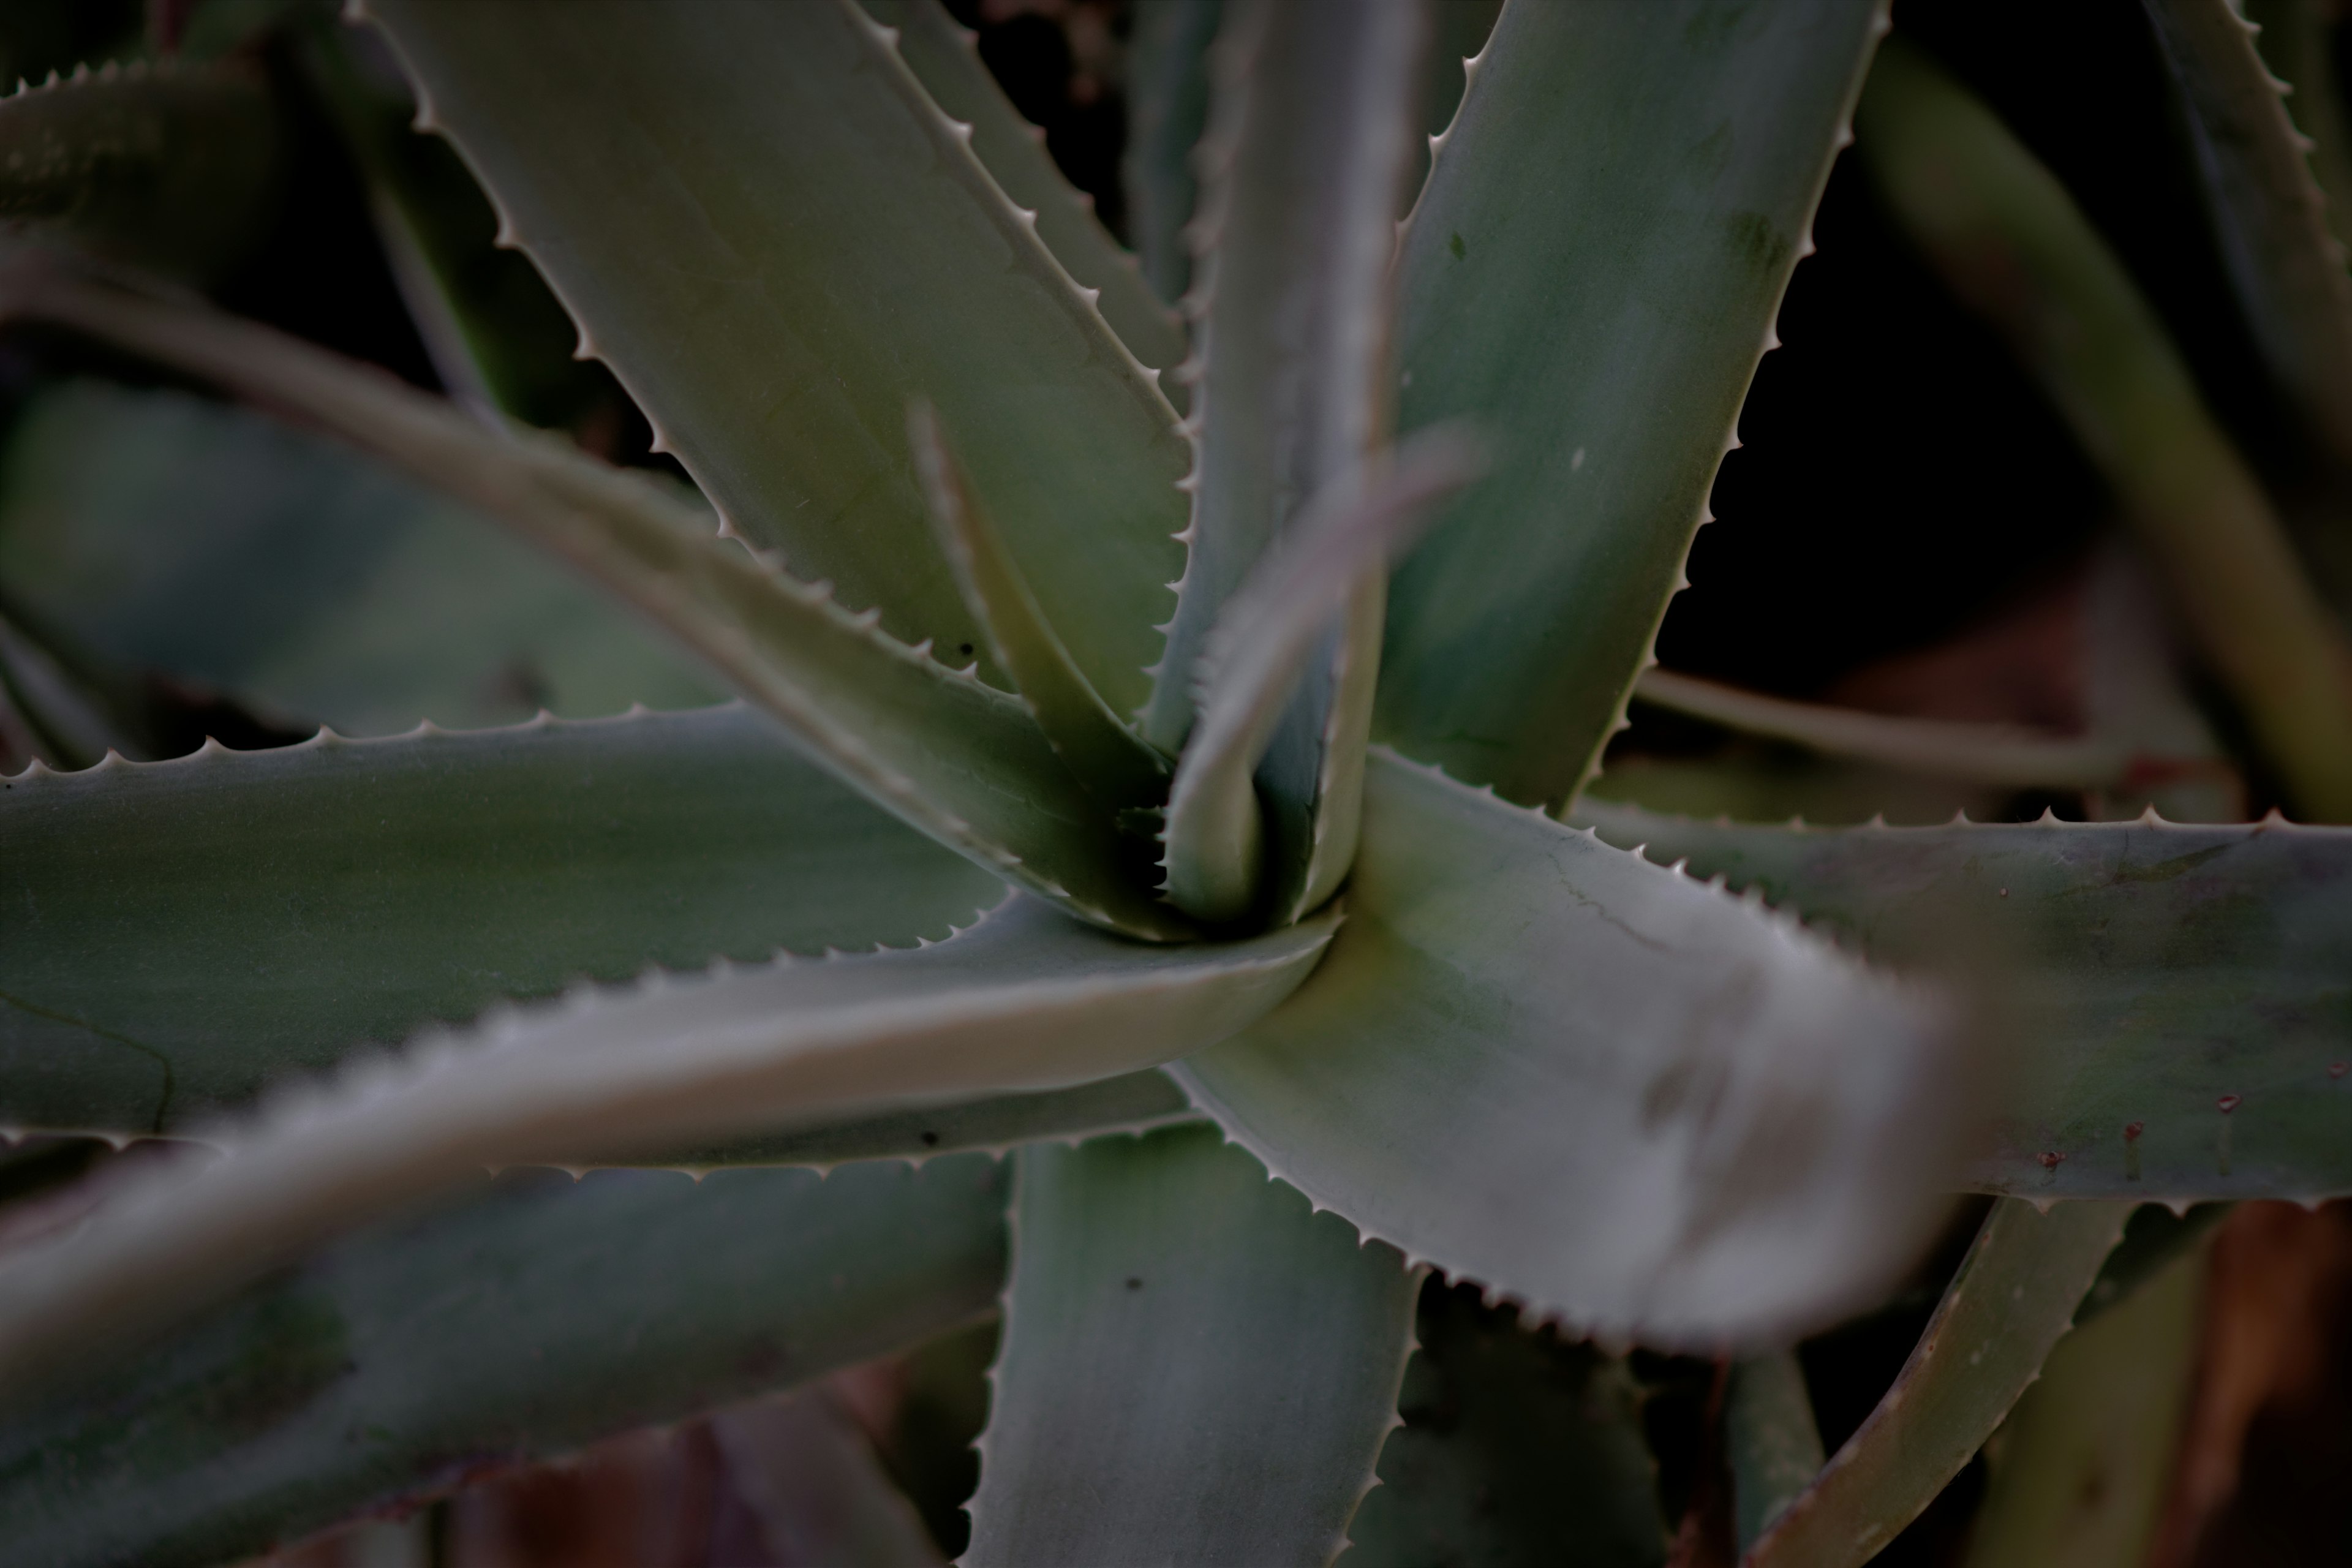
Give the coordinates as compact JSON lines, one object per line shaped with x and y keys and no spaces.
{"x":1601,"y":328}
{"x":2010,"y":242}
{"x":958,"y":760}
{"x":1108,"y":1444}
{"x":1027,"y":1000}
{"x":2297,"y":43}
{"x":1107,"y":756}
{"x":775,"y":239}
{"x":946,"y":60}
{"x":1605,"y":1089}
{"x":1252,"y":661}
{"x":186,"y":934}
{"x":2013,"y":1298}
{"x":1305,"y":159}
{"x":221,"y":547}
{"x":1166,"y":109}
{"x":2178,"y":990}
{"x":149,"y":164}
{"x":1770,"y":1439}
{"x":527,"y":1321}
{"x":2287,"y":266}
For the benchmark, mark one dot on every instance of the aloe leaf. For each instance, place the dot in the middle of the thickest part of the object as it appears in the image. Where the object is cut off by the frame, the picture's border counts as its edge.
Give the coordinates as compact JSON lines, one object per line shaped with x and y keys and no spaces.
{"x":1106,"y":756}
{"x":1770,"y":1439}
{"x":945,"y":58}
{"x":152,"y":164}
{"x":2082,"y":1466}
{"x":1103,"y":1447}
{"x":1312,"y":138}
{"x":1607,"y":1091}
{"x":169,"y":532}
{"x":1027,"y":1000}
{"x":815,"y":1488}
{"x":775,"y":239}
{"x":522,"y":1323}
{"x":184,"y":933}
{"x":2011,"y":244}
{"x":1515,"y":1447}
{"x":1131,"y":1102}
{"x":2013,"y":1300}
{"x":2287,"y":266}
{"x":2297,"y":42}
{"x":1983,"y":754}
{"x":2181,"y":988}
{"x":1167,"y":110}
{"x":1250,"y":670}
{"x":1601,"y":328}
{"x":956,"y":759}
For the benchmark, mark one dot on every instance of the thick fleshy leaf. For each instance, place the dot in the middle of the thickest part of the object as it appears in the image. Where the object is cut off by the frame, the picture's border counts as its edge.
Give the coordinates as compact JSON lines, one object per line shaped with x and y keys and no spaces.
{"x":2013,"y":1300}
{"x":521,"y":1323}
{"x":2177,"y":993}
{"x":1770,"y":1439}
{"x":815,"y":1490}
{"x":1590,"y":274}
{"x":946,"y":60}
{"x":1166,"y":109}
{"x":1605,"y":1089}
{"x":2082,"y":1468}
{"x":2272,"y":220}
{"x":2010,"y":242}
{"x":184,"y":933}
{"x":222,"y":547}
{"x":1516,"y":1449}
{"x":2297,"y":42}
{"x":1307,"y":153}
{"x":1196,"y":1368}
{"x":960,"y":761}
{"x":1027,"y":1000}
{"x":1131,"y":1102}
{"x":775,"y":239}
{"x":158,"y":166}
{"x":1107,"y":756}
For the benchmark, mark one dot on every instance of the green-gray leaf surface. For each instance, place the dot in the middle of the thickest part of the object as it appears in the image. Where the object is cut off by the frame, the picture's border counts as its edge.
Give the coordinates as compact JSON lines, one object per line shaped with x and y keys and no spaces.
{"x":1028,"y":999}
{"x":530,"y":1319}
{"x":1590,"y":276}
{"x":2179,"y":993}
{"x":1195,"y":1368}
{"x":1168,"y":105}
{"x":181,"y":934}
{"x":1609,"y":1091}
{"x":2013,"y":1298}
{"x":212,"y":543}
{"x":775,"y":239}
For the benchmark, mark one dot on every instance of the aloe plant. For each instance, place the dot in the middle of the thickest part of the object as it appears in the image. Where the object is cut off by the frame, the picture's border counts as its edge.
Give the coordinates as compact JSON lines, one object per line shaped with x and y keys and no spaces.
{"x":1158,"y":761}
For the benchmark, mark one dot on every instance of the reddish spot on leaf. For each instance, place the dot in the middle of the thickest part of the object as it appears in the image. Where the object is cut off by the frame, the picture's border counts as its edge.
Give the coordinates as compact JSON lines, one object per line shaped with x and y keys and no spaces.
{"x":2228,"y":1102}
{"x":2051,"y":1161}
{"x":2337,"y":1069}
{"x":2132,"y":1130}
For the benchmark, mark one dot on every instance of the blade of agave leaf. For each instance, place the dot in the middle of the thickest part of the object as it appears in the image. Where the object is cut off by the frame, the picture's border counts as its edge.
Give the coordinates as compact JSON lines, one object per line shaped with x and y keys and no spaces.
{"x":530,"y":1319}
{"x":1768,"y":1434}
{"x":2013,"y":1300}
{"x":1306,"y":157}
{"x":1027,"y":1000}
{"x":2080,"y":1472}
{"x":1255,"y":1440}
{"x":775,"y":239}
{"x":958,"y":760}
{"x":945,"y":60}
{"x":69,"y":725}
{"x":152,"y":164}
{"x":2297,"y":42}
{"x":1515,"y":1447}
{"x":1601,"y":329}
{"x":1131,"y":1102}
{"x":2288,"y":267}
{"x":1987,"y":754}
{"x":171,"y":532}
{"x":1608,"y":1091}
{"x":1167,"y":107}
{"x":816,"y":1489}
{"x":2009,"y":241}
{"x":2181,"y":987}
{"x":1107,"y":757}
{"x":181,"y":934}
{"x":1250,"y":672}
